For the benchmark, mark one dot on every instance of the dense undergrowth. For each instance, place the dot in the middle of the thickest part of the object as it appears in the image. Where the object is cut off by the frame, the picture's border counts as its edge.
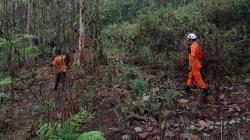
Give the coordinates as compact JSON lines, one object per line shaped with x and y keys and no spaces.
{"x":156,"y":37}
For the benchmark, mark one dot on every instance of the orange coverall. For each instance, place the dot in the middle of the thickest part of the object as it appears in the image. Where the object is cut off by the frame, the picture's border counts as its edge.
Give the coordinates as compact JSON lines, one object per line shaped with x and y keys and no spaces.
{"x":195,"y":74}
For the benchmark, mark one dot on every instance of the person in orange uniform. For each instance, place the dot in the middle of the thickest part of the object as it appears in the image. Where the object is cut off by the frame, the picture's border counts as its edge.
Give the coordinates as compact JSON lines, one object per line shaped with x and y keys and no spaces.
{"x":195,"y":66}
{"x":61,"y":63}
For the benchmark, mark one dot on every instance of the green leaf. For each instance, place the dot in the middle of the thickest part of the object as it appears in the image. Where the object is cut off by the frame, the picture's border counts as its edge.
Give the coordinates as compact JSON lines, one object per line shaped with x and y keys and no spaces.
{"x":6,"y":81}
{"x":93,"y":135}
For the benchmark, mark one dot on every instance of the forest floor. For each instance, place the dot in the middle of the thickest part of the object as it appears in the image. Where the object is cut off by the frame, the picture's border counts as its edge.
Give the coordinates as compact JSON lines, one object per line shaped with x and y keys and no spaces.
{"x":226,"y":115}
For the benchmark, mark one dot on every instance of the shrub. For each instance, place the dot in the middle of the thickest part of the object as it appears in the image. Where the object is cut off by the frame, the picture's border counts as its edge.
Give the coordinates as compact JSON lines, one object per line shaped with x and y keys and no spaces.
{"x":138,"y":87}
{"x":69,"y":132}
{"x":222,"y":25}
{"x":169,"y":97}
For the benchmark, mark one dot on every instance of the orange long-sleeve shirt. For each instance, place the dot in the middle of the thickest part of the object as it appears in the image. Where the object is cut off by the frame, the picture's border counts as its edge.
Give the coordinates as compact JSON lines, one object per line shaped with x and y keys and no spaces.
{"x":193,"y":56}
{"x":61,"y":63}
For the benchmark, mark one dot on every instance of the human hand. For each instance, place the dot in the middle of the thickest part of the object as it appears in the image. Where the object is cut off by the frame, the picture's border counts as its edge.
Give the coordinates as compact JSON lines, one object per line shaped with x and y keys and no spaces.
{"x":189,"y":68}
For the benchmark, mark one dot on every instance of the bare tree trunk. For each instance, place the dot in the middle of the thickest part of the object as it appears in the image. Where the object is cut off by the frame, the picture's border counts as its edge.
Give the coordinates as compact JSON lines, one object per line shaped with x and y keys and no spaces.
{"x":96,"y":39}
{"x":58,"y":21}
{"x":95,"y":23}
{"x":82,"y":32}
{"x":29,"y":17}
{"x":73,"y":9}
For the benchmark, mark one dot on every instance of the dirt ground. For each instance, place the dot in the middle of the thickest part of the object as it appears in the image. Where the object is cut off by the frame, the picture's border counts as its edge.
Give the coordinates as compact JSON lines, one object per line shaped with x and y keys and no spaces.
{"x":20,"y":117}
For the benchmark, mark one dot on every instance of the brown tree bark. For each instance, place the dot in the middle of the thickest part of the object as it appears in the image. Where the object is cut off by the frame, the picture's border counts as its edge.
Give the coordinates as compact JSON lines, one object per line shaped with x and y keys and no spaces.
{"x":82,"y":30}
{"x":29,"y":17}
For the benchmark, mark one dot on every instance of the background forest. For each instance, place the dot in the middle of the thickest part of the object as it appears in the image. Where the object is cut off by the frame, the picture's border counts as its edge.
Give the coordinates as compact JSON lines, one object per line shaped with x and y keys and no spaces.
{"x":129,"y":84}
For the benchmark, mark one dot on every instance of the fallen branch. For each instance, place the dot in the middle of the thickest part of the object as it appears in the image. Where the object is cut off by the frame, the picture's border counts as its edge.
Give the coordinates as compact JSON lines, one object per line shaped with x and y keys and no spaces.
{"x":136,"y":117}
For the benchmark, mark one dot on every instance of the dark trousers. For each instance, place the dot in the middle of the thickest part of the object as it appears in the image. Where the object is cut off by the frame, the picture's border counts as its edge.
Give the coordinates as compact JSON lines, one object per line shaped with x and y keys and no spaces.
{"x":60,"y":76}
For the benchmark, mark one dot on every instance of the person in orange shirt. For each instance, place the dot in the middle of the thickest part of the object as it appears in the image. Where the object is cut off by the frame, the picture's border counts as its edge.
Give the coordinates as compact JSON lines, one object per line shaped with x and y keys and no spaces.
{"x":61,"y":63}
{"x":195,"y":65}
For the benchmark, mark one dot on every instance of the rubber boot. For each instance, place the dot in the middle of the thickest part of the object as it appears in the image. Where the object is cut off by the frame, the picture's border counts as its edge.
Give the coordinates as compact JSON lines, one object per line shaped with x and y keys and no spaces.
{"x":205,"y":92}
{"x":188,"y":90}
{"x":203,"y":96}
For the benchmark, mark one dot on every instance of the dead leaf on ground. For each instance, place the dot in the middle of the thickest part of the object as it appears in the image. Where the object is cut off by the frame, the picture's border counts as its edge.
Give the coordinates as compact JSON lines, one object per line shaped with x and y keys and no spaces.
{"x":114,"y":129}
{"x":156,"y":90}
{"x":163,"y":125}
{"x":143,"y":135}
{"x":169,"y":134}
{"x":154,"y":138}
{"x":146,"y":98}
{"x":149,"y":129}
{"x":234,"y":108}
{"x":176,"y":125}
{"x":183,"y":103}
{"x":138,"y":129}
{"x":104,"y":93}
{"x":195,"y":137}
{"x":222,"y":96}
{"x":186,"y":136}
{"x":153,"y":122}
{"x":204,"y":124}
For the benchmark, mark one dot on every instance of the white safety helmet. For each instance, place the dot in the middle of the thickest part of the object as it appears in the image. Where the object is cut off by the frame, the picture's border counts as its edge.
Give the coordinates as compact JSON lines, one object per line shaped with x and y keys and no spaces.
{"x":192,"y":36}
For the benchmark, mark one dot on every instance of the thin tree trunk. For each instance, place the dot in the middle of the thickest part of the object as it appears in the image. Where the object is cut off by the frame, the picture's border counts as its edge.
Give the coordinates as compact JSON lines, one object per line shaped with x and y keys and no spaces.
{"x":58,"y":21}
{"x":95,"y":23}
{"x":29,"y":17}
{"x":96,"y":39}
{"x":82,"y":32}
{"x":73,"y":10}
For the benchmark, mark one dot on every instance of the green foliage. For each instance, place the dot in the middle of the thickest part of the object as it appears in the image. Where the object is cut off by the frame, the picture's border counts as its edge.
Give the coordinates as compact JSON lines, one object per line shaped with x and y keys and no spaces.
{"x":117,"y":11}
{"x":165,"y":100}
{"x":93,"y":135}
{"x":4,"y":96}
{"x":6,"y":81}
{"x":186,"y":125}
{"x":1,"y":7}
{"x":28,"y":50}
{"x":69,"y":132}
{"x":18,"y":37}
{"x":159,"y":35}
{"x":125,"y":108}
{"x":46,"y":131}
{"x":15,"y":48}
{"x":124,"y":30}
{"x":81,"y":117}
{"x":138,"y":87}
{"x":169,"y":97}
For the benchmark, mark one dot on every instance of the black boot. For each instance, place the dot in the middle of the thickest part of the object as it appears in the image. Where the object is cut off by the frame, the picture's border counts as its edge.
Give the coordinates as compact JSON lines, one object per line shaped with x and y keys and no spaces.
{"x":205,"y":92}
{"x":188,"y":90}
{"x":203,"y":96}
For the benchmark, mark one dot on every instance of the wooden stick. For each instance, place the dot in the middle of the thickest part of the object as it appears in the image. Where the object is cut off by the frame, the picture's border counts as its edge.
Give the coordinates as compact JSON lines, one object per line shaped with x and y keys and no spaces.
{"x":221,"y":129}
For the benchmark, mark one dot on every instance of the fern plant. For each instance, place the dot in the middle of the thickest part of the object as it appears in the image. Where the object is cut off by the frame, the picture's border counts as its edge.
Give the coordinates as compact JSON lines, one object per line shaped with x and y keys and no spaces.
{"x":69,"y":132}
